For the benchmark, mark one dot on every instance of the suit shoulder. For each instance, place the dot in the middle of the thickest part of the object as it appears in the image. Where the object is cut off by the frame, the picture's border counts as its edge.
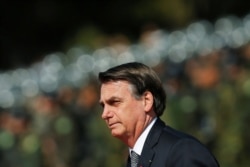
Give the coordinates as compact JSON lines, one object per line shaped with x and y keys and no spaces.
{"x":166,"y":136}
{"x":175,"y":135}
{"x":185,"y":147}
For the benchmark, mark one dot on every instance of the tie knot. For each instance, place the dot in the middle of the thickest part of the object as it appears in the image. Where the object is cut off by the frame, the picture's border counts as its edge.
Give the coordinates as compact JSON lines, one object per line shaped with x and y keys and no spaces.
{"x":134,"y":159}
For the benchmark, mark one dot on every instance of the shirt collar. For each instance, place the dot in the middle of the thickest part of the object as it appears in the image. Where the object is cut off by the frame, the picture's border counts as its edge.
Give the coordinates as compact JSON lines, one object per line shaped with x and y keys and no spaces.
{"x":141,"y":140}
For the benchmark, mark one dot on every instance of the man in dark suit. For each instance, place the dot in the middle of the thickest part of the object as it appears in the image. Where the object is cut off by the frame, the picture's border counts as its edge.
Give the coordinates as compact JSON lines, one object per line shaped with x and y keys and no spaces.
{"x":133,"y":100}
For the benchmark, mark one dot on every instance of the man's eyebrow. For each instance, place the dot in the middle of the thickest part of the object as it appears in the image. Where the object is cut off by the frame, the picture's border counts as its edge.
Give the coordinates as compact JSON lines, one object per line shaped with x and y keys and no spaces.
{"x":111,"y":99}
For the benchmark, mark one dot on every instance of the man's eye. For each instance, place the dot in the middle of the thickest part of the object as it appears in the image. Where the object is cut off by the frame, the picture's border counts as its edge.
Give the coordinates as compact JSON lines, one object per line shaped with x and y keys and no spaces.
{"x":115,"y":102}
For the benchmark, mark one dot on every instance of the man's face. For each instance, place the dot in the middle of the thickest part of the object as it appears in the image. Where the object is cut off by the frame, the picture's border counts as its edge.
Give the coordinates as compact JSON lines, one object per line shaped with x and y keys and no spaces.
{"x":123,"y":113}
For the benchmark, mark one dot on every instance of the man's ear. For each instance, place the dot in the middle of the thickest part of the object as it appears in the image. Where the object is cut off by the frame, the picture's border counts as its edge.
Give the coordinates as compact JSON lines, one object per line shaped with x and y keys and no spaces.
{"x":148,"y":101}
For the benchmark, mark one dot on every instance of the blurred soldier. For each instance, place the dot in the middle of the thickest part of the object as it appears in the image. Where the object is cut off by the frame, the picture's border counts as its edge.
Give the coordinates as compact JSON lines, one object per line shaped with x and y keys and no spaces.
{"x":19,"y":145}
{"x":55,"y":129}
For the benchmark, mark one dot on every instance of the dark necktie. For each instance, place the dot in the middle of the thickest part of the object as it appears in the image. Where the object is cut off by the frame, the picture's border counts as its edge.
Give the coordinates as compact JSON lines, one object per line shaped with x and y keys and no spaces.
{"x":134,"y":159}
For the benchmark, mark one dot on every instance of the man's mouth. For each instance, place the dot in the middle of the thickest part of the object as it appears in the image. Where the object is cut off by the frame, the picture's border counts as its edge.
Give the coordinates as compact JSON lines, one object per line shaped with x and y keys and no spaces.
{"x":111,"y":125}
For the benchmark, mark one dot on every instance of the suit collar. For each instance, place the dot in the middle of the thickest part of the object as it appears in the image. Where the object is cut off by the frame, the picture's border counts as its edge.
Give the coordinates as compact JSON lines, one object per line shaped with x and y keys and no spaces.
{"x":155,"y":133}
{"x":148,"y":153}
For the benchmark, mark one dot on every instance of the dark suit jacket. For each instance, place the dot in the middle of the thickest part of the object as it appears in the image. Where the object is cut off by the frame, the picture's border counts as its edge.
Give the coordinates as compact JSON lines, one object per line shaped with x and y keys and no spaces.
{"x":166,"y":147}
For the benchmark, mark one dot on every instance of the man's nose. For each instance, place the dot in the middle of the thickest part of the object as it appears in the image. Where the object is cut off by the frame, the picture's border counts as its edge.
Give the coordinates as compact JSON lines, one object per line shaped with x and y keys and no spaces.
{"x":106,"y":113}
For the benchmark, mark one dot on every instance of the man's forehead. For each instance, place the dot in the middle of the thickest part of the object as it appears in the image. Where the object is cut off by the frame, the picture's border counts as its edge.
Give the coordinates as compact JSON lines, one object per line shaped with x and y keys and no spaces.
{"x":114,"y":88}
{"x":115,"y":84}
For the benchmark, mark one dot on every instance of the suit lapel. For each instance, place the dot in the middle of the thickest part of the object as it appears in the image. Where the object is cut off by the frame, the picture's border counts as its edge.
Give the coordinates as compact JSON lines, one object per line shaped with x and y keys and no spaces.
{"x":148,"y":152}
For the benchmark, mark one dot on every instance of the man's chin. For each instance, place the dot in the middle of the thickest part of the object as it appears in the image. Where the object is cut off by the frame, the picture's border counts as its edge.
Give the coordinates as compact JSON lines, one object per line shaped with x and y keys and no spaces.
{"x":115,"y":134}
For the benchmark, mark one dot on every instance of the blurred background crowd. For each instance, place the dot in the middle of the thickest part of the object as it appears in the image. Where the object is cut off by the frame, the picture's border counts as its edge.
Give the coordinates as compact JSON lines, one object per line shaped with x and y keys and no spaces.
{"x":50,"y":116}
